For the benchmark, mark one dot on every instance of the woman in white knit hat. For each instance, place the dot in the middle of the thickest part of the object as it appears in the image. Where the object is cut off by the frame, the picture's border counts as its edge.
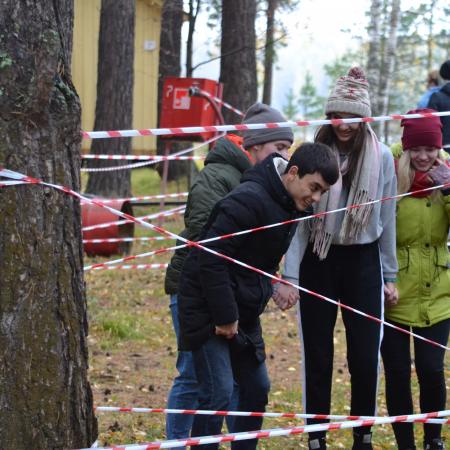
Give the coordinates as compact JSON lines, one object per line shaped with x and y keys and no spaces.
{"x":347,"y":256}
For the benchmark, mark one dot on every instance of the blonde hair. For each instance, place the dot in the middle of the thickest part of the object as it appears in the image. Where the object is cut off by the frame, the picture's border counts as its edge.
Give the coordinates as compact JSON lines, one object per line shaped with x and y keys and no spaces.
{"x":405,"y":176}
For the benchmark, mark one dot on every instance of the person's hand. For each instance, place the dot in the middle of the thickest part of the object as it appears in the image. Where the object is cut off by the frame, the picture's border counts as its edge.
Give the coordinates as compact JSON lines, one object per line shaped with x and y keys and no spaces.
{"x":285,"y":296}
{"x":440,"y":174}
{"x":228,"y":331}
{"x":390,"y":294}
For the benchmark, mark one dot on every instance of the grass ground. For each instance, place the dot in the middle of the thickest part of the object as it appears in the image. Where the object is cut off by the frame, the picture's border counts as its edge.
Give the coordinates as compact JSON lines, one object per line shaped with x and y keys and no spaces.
{"x":133,"y":351}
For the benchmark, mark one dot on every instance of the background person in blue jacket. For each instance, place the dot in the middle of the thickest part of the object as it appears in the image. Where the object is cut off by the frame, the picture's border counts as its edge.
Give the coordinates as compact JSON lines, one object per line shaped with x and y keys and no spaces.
{"x":440,"y":101}
{"x":220,"y":302}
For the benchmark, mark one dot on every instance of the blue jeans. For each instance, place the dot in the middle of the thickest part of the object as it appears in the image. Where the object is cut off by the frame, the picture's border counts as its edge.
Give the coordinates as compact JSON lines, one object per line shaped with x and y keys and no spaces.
{"x":184,"y":391}
{"x":216,"y":368}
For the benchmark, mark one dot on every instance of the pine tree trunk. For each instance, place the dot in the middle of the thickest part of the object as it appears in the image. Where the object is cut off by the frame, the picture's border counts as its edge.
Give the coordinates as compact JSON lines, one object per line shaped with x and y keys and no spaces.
{"x":374,"y":55}
{"x":269,"y":51}
{"x":238,"y":59}
{"x":45,"y":398}
{"x":114,"y":107}
{"x":390,"y":50}
{"x":169,"y":66}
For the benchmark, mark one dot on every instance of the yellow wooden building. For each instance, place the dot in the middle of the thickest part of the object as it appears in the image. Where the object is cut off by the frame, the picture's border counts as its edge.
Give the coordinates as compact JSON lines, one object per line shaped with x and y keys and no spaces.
{"x":146,"y":57}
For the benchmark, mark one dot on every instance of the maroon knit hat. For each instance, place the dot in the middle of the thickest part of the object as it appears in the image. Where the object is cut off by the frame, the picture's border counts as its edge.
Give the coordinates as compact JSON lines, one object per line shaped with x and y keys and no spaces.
{"x":418,"y":132}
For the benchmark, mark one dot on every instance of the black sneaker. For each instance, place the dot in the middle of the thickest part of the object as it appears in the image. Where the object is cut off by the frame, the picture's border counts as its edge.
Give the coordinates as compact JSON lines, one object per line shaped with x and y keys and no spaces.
{"x":435,"y":444}
{"x":362,"y":441}
{"x":317,"y":444}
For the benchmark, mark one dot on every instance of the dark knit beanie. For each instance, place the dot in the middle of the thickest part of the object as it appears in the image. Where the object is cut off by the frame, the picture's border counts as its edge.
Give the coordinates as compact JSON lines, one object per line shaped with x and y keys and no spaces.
{"x":444,"y":71}
{"x":262,"y":113}
{"x":350,"y":94}
{"x":421,"y":132}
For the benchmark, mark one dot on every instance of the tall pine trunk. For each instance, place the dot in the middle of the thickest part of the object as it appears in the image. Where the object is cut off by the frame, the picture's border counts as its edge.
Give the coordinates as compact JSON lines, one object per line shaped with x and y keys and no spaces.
{"x":269,"y":51}
{"x":374,"y":56}
{"x":390,"y":50}
{"x":114,"y":107}
{"x":45,"y":398}
{"x":169,"y":66}
{"x":238,"y":59}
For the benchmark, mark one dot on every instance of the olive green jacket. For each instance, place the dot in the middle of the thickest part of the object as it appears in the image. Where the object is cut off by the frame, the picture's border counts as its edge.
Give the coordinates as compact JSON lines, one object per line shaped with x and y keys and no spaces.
{"x":223,"y":170}
{"x":423,"y":262}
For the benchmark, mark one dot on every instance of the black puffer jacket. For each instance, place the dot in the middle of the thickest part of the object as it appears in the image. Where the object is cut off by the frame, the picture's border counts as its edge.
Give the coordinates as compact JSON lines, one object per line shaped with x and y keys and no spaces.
{"x":440,"y":101}
{"x":223,"y":170}
{"x":214,"y":291}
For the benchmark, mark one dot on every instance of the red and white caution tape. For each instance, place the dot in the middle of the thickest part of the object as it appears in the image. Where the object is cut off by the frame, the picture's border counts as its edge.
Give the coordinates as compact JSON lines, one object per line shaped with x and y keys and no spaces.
{"x":203,"y":412}
{"x":252,"y":230}
{"x":15,"y":175}
{"x":253,"y":126}
{"x":221,"y":102}
{"x":11,"y":183}
{"x":127,"y":239}
{"x":156,"y":158}
{"x":134,"y":267}
{"x":148,"y":162}
{"x":169,"y":212}
{"x":144,"y":197}
{"x":275,"y":432}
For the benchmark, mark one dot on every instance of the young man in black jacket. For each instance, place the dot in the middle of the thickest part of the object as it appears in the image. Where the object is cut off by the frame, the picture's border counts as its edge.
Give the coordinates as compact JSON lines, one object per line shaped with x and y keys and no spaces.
{"x":220,"y":302}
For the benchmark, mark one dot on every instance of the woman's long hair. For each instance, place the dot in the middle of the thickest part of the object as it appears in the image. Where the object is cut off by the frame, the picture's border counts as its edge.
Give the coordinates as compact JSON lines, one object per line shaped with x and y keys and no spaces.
{"x":326,"y":135}
{"x":405,"y":176}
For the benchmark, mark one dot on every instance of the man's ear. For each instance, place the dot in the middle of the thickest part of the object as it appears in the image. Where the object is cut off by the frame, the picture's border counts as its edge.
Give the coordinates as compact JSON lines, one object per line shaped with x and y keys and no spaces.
{"x":293,"y":171}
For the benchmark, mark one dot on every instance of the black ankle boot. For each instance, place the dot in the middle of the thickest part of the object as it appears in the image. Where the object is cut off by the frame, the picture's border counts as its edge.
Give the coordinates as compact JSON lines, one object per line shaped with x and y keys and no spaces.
{"x":362,"y":441}
{"x":434,"y":444}
{"x":317,"y":444}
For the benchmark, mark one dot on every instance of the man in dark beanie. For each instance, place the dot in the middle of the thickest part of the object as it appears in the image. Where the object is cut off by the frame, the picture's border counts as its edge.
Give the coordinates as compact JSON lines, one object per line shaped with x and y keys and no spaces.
{"x":440,"y":101}
{"x":226,"y":162}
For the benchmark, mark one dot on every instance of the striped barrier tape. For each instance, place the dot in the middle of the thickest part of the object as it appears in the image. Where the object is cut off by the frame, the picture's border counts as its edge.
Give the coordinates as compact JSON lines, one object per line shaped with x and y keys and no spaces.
{"x":253,"y":126}
{"x":156,"y":158}
{"x":143,"y":197}
{"x":126,"y":239}
{"x":11,"y":183}
{"x":275,"y":432}
{"x":169,"y":212}
{"x":148,"y":162}
{"x":134,"y":267}
{"x":427,"y":416}
{"x":18,"y":176}
{"x":252,"y":230}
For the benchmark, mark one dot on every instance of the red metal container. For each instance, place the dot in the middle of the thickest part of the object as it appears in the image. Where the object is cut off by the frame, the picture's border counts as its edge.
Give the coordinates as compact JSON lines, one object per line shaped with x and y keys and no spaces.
{"x":179,"y":109}
{"x":94,"y":215}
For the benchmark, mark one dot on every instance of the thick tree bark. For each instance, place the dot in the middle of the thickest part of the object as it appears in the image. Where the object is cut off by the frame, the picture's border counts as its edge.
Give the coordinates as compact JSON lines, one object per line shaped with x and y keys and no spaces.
{"x":269,"y":51}
{"x":238,"y":59}
{"x":114,"y":107}
{"x":45,"y":398}
{"x":170,"y":66}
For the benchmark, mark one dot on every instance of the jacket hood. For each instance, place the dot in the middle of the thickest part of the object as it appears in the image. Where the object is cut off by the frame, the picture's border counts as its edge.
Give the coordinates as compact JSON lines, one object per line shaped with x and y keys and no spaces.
{"x":268,"y":174}
{"x":228,"y":151}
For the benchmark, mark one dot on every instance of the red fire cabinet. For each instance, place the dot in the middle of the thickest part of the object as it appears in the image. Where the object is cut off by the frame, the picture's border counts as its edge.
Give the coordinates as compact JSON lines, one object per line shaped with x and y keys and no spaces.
{"x":179,"y":109}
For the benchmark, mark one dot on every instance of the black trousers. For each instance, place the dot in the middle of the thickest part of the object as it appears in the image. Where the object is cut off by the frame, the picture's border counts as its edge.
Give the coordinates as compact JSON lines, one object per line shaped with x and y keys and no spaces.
{"x":429,"y":362}
{"x":352,"y":275}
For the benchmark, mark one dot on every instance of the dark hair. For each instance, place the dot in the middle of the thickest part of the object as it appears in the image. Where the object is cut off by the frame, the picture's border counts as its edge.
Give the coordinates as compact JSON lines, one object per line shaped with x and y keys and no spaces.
{"x":326,"y":135}
{"x":315,"y":157}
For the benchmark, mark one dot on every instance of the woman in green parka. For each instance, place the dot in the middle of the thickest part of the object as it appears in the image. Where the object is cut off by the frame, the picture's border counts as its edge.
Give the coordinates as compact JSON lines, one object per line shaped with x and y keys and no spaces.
{"x":423,"y":280}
